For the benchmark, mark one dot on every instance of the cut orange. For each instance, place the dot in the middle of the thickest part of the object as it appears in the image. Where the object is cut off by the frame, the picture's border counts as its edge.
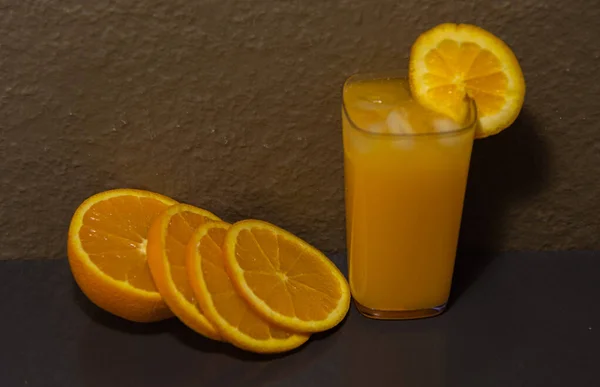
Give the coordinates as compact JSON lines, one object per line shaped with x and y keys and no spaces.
{"x":168,"y":236}
{"x":237,"y":321}
{"x":452,"y":61}
{"x":286,"y":280}
{"x":107,"y":252}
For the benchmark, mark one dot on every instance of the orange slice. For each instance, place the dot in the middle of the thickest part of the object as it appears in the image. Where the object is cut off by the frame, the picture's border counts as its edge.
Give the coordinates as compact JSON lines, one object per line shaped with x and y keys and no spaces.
{"x":286,"y":280}
{"x":169,"y":234}
{"x":107,"y":252}
{"x":237,"y":321}
{"x":452,"y":61}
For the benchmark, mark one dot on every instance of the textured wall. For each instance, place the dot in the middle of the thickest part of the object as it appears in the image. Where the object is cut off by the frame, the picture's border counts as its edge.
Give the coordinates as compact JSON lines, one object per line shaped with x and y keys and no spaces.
{"x":234,"y":106}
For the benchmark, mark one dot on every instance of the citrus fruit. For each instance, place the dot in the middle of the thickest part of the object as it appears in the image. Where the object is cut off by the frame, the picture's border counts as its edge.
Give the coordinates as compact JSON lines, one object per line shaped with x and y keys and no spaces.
{"x":167,"y":239}
{"x":286,"y":280}
{"x":107,"y":252}
{"x":237,"y":321}
{"x":452,"y":61}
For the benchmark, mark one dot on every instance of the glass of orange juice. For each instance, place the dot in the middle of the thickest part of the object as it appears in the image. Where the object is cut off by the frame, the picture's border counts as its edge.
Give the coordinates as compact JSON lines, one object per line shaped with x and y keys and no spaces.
{"x":405,"y":177}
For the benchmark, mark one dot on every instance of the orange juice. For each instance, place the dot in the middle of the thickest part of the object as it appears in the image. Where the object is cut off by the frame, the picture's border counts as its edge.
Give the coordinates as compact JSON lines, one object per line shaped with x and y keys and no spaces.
{"x":405,"y":172}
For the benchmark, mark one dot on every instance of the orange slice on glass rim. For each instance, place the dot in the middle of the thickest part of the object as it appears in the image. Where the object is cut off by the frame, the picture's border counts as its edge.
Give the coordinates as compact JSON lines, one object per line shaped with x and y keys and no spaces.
{"x":286,"y":280}
{"x":167,"y":240}
{"x":452,"y":61}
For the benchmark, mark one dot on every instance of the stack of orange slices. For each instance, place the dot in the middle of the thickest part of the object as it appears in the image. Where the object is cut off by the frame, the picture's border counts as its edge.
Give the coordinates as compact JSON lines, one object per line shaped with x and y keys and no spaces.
{"x":144,"y":257}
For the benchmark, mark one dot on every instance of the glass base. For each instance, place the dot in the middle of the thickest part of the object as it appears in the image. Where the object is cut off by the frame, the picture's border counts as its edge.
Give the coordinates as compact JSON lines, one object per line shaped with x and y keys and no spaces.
{"x":399,"y":314}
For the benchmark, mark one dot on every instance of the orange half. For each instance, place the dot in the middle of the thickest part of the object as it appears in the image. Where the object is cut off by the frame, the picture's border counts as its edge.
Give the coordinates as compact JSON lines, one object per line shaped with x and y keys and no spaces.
{"x":107,"y":252}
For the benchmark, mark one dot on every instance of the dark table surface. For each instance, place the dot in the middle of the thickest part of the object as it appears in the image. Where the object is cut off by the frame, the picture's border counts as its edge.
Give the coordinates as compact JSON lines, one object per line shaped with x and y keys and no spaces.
{"x":515,"y":319}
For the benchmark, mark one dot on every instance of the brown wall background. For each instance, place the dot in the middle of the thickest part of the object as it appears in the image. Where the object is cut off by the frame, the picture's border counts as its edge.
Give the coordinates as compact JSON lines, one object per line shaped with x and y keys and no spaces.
{"x":234,"y":106}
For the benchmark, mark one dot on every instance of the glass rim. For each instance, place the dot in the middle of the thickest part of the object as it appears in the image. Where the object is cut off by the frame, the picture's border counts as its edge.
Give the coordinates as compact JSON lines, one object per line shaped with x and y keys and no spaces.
{"x":399,"y":74}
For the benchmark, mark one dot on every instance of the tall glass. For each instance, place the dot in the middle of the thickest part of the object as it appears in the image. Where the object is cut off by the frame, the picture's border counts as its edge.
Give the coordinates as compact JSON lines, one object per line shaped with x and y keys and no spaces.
{"x":404,"y":197}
